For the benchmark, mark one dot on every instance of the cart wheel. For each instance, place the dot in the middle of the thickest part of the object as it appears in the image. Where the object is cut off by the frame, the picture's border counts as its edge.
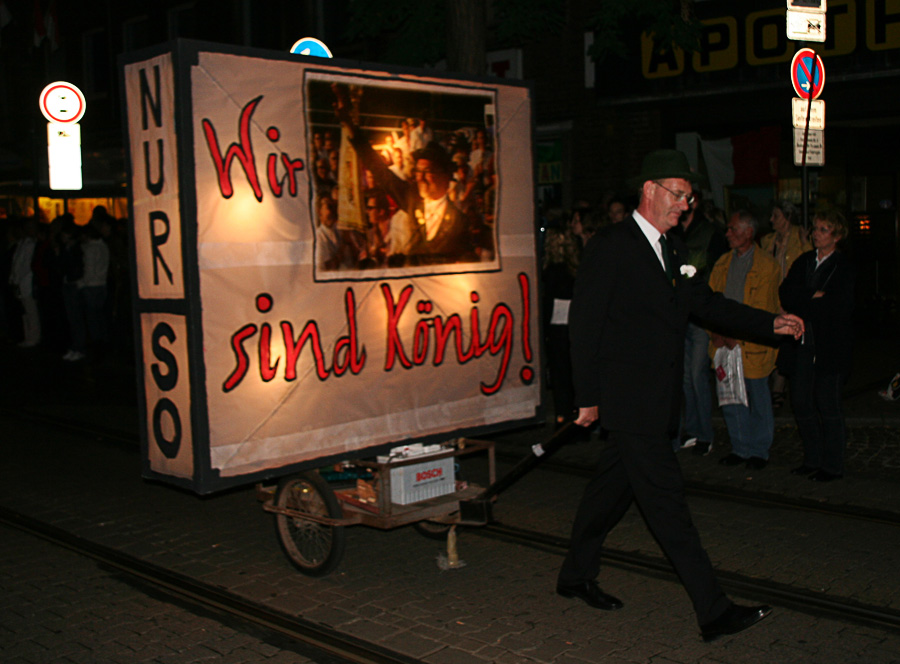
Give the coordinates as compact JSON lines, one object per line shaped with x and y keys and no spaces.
{"x":314,"y":549}
{"x":433,"y":529}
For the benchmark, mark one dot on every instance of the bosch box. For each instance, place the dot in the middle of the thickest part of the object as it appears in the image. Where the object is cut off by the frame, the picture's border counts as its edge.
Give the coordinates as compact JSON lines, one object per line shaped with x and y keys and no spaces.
{"x":421,"y":481}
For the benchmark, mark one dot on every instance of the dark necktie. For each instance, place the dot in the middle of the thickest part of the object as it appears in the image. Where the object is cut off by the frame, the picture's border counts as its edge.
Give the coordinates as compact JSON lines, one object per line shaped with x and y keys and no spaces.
{"x":665,"y":252}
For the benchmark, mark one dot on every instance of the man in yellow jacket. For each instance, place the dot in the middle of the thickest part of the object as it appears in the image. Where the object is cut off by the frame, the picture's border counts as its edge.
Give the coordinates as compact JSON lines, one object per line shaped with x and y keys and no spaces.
{"x":748,"y":275}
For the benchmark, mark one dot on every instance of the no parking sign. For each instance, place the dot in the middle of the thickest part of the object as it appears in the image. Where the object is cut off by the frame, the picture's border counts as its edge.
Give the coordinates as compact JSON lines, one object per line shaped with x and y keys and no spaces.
{"x":807,"y":74}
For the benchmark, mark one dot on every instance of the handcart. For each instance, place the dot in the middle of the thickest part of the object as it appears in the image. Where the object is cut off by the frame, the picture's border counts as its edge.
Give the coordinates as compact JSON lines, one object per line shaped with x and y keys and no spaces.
{"x":311,"y":514}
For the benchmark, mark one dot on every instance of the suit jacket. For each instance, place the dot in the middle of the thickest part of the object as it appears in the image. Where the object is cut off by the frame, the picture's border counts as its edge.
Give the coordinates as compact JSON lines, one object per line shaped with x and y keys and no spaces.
{"x":627,"y":324}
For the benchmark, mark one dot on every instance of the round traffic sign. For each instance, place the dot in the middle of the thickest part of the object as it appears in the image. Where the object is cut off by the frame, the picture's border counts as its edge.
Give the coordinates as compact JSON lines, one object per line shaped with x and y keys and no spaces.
{"x":310,"y":46}
{"x":62,"y":102}
{"x":807,"y":74}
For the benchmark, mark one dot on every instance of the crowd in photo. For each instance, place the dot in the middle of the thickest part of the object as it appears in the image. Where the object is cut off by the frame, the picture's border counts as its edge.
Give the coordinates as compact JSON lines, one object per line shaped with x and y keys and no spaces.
{"x":67,"y":285}
{"x":409,"y":196}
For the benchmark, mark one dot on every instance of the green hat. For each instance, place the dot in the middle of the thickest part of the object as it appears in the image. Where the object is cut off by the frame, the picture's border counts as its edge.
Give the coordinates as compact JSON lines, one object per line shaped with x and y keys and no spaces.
{"x":663,"y":164}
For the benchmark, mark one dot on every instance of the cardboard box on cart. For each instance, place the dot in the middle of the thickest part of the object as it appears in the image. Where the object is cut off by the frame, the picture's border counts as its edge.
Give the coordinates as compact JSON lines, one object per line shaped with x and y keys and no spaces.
{"x":258,"y":357}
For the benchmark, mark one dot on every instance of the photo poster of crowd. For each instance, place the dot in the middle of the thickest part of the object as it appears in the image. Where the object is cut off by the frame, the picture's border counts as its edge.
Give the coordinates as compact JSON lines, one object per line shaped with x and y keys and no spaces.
{"x":404,"y":178}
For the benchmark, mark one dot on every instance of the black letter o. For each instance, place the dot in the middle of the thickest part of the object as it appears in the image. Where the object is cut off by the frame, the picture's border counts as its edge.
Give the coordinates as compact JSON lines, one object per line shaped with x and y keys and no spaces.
{"x":169,"y":448}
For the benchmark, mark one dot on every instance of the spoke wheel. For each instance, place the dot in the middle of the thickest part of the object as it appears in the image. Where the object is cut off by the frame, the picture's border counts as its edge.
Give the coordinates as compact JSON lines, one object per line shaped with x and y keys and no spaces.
{"x":314,"y":548}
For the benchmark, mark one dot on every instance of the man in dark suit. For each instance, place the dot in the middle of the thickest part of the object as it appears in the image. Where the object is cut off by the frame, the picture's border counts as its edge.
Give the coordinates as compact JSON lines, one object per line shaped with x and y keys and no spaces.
{"x":633,"y":296}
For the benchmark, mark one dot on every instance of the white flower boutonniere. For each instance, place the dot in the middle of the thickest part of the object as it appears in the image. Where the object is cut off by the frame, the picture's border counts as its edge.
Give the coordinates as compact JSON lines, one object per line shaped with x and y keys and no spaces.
{"x":688,"y":270}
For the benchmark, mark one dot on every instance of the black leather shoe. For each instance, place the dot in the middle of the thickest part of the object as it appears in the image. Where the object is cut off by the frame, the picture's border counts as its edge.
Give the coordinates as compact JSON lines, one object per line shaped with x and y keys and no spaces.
{"x":803,"y":470}
{"x":735,"y":619}
{"x":732,"y":460}
{"x":824,"y":476}
{"x":590,"y":594}
{"x":757,"y":463}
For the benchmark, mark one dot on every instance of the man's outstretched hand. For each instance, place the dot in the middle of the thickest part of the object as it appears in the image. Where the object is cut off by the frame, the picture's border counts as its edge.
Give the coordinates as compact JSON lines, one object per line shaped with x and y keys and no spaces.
{"x":587,"y":416}
{"x":789,"y":324}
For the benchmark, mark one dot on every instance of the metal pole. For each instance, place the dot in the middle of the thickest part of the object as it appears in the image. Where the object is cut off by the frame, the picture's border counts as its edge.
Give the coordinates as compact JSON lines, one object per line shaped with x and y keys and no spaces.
{"x":805,"y":172}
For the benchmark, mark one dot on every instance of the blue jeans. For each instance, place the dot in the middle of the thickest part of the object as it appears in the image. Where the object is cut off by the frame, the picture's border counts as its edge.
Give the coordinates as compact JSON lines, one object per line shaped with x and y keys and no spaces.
{"x":697,"y":391}
{"x":752,"y":428}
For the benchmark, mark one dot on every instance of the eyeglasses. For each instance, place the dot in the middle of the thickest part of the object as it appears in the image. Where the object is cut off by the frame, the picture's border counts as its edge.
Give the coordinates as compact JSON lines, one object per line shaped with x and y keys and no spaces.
{"x":688,"y":198}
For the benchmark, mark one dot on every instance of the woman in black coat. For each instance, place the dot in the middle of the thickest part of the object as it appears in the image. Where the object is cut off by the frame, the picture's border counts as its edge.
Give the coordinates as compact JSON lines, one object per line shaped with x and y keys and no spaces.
{"x":819,"y":288}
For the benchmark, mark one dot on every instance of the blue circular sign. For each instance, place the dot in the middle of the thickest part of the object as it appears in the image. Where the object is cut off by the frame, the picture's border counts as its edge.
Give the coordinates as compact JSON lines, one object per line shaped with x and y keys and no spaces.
{"x":311,"y":46}
{"x":807,"y":74}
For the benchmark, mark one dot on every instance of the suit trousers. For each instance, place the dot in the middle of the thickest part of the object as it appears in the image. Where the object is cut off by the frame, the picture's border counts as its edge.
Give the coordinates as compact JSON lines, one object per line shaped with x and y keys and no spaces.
{"x":643,"y":468}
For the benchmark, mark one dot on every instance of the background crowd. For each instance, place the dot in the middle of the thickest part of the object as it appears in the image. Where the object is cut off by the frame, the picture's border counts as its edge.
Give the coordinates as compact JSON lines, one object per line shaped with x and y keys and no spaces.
{"x":66,"y":288}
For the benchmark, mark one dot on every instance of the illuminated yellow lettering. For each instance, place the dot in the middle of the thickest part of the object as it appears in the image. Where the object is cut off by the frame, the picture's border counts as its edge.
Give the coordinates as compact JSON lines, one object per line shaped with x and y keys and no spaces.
{"x":882,"y":24}
{"x":840,"y":30}
{"x":767,"y":41}
{"x":658,"y":61}
{"x":718,"y":45}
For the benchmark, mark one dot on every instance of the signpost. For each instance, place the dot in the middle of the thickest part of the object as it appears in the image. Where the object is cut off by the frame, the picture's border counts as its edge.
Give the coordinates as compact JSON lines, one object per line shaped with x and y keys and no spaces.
{"x":806,"y":22}
{"x":63,"y":105}
{"x":809,"y":147}
{"x":802,"y":111}
{"x":805,"y":25}
{"x":807,"y":73}
{"x":808,"y":78}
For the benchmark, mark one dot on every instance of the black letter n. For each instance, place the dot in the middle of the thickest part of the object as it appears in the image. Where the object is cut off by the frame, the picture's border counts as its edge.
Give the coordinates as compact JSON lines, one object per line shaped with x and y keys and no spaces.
{"x":150,"y":100}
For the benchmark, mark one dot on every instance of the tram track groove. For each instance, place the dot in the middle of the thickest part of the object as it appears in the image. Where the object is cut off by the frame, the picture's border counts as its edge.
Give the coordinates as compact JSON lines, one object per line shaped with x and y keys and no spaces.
{"x":210,"y":597}
{"x":805,"y":601}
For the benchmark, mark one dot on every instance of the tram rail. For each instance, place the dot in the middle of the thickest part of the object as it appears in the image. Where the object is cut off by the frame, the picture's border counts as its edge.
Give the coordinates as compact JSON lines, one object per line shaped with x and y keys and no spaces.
{"x":806,"y":601}
{"x":205,"y":595}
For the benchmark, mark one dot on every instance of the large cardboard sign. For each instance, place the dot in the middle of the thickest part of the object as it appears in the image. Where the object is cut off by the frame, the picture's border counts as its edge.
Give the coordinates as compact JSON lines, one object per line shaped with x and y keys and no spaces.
{"x":327,"y":259}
